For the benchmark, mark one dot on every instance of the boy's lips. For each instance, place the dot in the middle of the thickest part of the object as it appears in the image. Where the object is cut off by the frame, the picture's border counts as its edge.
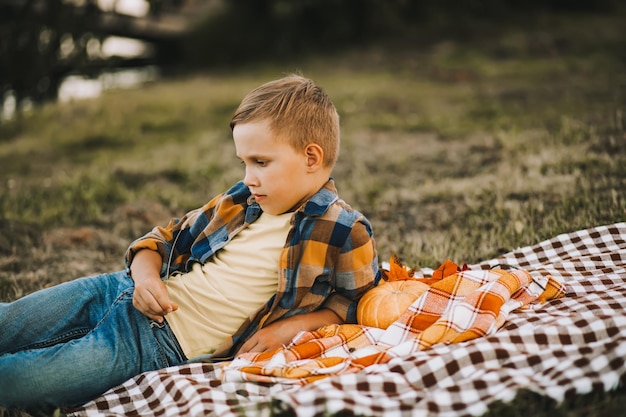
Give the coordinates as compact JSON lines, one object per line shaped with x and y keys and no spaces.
{"x":259,"y":197}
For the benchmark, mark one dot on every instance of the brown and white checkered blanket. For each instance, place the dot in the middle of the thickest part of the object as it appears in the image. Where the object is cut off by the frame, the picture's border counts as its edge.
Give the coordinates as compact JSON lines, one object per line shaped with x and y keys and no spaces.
{"x":569,"y":345}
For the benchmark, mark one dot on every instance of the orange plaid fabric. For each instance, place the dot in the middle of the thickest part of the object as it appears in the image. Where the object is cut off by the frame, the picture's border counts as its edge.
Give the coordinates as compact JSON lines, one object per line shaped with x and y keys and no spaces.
{"x":459,"y":307}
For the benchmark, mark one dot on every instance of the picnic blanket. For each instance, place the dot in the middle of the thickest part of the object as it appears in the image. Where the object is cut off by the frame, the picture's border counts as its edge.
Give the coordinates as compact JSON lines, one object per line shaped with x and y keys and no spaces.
{"x":460,"y":306}
{"x":567,"y":345}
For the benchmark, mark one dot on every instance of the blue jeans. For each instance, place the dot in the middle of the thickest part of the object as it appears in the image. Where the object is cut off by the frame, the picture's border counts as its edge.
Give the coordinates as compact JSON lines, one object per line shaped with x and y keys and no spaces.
{"x":65,"y":345}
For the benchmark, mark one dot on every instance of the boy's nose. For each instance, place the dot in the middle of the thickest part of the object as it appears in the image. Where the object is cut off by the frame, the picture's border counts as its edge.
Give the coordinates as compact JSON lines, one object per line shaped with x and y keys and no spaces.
{"x":249,"y":179}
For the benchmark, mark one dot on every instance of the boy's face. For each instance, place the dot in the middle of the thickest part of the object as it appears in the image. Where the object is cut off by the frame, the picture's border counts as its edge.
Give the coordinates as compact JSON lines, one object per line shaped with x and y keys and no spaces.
{"x":279,"y":177}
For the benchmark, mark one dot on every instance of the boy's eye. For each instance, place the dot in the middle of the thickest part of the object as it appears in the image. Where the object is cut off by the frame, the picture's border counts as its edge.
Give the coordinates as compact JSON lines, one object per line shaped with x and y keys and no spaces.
{"x":259,"y":162}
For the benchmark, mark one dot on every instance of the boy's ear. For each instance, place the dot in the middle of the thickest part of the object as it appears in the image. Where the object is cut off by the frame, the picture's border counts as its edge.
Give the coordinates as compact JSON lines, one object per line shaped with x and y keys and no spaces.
{"x":314,"y":156}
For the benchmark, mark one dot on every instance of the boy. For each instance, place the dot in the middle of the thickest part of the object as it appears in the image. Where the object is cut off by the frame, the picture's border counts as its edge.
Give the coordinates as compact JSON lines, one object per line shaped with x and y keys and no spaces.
{"x":277,"y":253}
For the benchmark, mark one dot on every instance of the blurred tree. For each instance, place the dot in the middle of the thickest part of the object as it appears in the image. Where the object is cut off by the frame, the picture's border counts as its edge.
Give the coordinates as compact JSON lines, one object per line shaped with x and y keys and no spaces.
{"x":40,"y":43}
{"x":43,"y":41}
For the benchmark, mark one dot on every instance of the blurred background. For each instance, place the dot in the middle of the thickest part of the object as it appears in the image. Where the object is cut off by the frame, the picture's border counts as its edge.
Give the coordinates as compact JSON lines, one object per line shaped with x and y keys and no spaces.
{"x":65,"y":49}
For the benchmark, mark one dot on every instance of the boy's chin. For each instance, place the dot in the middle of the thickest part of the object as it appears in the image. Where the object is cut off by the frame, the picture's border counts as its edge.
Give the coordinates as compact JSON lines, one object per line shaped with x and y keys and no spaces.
{"x":266,"y":209}
{"x":270,"y":211}
{"x":274,"y":211}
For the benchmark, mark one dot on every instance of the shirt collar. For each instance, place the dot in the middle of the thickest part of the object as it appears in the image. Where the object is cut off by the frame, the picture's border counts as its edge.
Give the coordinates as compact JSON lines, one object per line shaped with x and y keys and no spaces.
{"x":321,"y":201}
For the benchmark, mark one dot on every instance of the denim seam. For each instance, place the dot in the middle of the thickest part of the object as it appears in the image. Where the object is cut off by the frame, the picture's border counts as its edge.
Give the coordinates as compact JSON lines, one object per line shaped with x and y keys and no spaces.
{"x":76,"y":333}
{"x":71,"y":335}
{"x":155,"y":326}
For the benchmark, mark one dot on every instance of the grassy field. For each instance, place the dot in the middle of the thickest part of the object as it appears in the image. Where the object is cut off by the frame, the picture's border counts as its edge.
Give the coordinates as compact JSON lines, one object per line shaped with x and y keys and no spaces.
{"x":455,"y":150}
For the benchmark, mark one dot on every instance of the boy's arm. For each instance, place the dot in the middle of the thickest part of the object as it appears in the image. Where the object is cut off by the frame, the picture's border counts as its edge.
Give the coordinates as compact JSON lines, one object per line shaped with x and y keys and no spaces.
{"x":282,"y":331}
{"x":174,"y":241}
{"x":161,"y":240}
{"x":356,"y":271}
{"x":150,"y":296}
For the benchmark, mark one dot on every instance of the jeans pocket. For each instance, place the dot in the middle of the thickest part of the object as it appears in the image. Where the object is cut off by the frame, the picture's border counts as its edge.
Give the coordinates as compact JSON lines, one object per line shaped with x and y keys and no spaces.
{"x":170,"y":351}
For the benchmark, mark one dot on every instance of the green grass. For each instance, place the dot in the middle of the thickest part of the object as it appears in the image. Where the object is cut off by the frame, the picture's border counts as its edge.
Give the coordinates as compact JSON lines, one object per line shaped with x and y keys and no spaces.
{"x":457,"y":150}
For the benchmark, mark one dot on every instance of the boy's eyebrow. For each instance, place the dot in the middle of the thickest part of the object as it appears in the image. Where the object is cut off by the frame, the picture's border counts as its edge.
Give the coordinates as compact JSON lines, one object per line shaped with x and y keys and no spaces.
{"x":253,"y":156}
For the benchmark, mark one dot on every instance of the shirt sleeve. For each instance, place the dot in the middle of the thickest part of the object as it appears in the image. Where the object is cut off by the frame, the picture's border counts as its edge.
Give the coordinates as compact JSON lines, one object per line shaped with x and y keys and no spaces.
{"x":173,"y":242}
{"x":356,"y":272}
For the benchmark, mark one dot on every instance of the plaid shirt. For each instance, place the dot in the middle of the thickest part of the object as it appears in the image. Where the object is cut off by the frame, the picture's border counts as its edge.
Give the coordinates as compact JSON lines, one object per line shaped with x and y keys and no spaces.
{"x":329,"y":260}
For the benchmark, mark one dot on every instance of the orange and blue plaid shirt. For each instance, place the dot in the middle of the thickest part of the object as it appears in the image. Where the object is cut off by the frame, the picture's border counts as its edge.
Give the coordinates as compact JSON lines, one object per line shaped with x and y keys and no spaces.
{"x":329,"y":259}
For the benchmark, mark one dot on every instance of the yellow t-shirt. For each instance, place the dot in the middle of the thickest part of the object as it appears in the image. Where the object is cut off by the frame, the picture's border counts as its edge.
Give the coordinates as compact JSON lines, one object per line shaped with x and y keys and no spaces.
{"x":214,"y":299}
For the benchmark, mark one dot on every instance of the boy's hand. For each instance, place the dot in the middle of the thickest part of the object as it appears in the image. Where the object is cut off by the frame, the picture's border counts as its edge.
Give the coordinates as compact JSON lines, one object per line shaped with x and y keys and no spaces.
{"x":150,"y":297}
{"x":282,"y":331}
{"x":275,"y":335}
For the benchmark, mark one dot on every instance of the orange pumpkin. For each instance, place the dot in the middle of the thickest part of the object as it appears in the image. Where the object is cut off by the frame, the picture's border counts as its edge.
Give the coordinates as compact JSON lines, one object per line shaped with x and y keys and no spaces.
{"x":385,"y":303}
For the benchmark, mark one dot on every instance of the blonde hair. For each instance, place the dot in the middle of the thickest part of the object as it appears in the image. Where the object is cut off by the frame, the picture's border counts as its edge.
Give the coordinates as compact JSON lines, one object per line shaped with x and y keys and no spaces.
{"x":298,"y":111}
